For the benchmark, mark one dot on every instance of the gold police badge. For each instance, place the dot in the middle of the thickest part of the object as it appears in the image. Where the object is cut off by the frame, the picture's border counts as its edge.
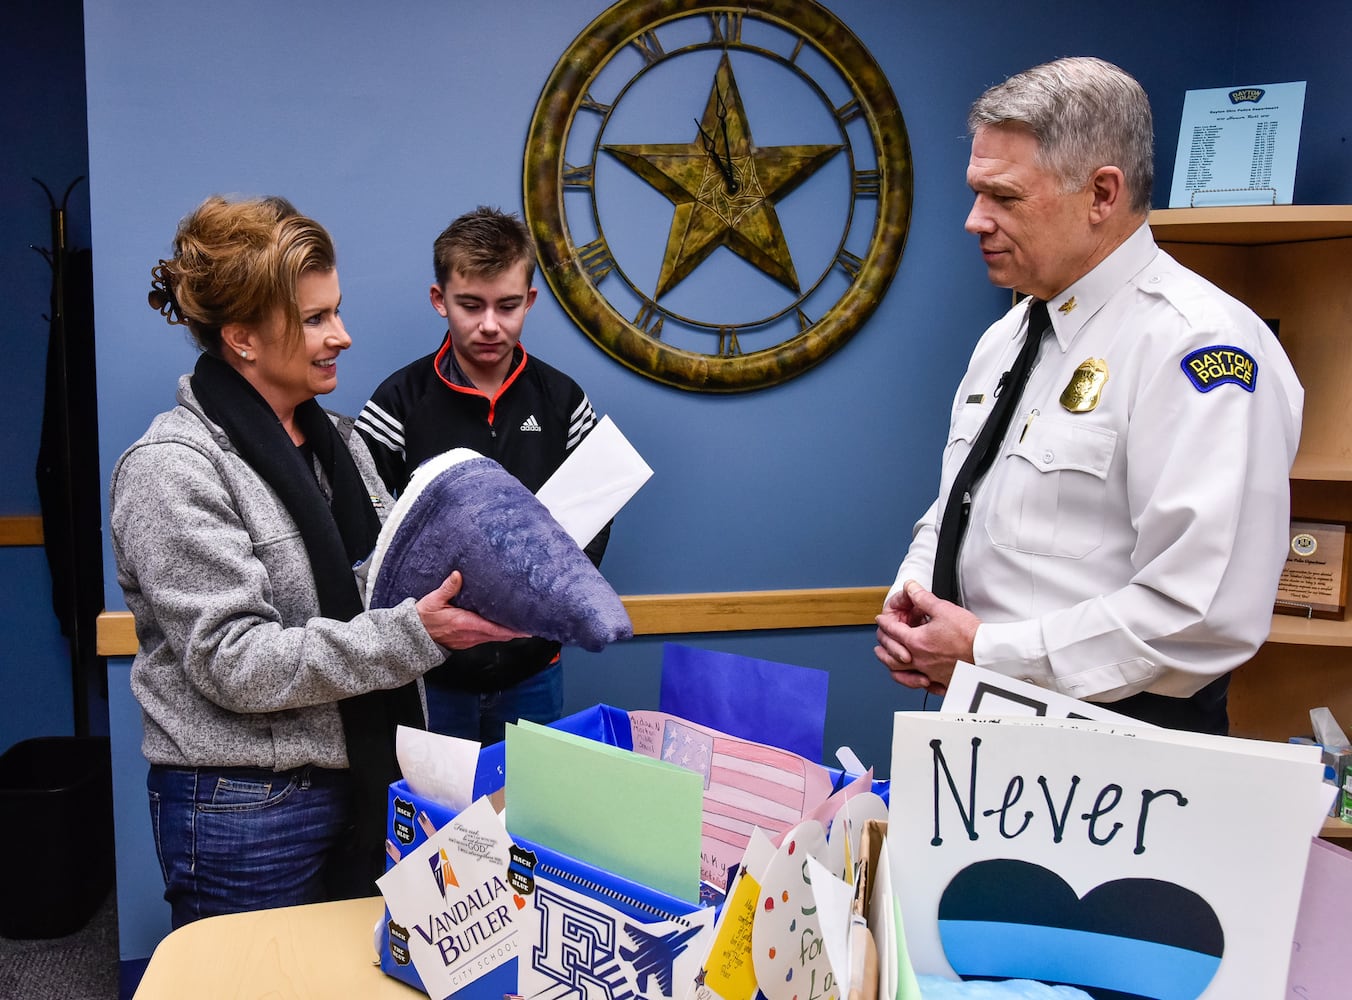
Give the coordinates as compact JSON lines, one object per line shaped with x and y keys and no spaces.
{"x":1082,"y":392}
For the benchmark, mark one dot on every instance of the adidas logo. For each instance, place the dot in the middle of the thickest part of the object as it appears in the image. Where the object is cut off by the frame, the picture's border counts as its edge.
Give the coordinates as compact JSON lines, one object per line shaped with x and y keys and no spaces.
{"x":531,"y":424}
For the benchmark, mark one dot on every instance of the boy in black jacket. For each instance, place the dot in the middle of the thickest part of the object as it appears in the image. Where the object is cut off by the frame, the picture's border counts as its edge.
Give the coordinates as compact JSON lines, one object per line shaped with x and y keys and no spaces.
{"x":481,"y":390}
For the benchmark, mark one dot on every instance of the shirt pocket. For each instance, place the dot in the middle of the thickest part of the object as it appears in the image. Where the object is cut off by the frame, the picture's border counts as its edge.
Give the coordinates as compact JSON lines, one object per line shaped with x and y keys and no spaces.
{"x":1051,"y":489}
{"x":963,"y":431}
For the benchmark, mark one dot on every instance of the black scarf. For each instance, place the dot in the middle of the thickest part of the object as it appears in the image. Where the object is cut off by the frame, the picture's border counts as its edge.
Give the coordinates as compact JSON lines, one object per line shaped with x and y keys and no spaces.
{"x":337,"y":534}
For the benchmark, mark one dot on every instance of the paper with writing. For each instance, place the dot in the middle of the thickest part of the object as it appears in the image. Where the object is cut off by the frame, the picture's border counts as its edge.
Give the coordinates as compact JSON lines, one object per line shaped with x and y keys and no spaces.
{"x":449,"y":900}
{"x":977,"y":691}
{"x":746,"y":785}
{"x":575,"y":943}
{"x":786,"y":938}
{"x":728,"y":972}
{"x":437,"y":767}
{"x":1238,"y":146}
{"x":1109,"y":826}
{"x":1318,"y":951}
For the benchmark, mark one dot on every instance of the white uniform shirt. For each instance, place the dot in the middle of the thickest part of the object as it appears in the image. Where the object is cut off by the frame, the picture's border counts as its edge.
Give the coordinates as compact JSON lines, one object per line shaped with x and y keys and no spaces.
{"x":1135,"y":546}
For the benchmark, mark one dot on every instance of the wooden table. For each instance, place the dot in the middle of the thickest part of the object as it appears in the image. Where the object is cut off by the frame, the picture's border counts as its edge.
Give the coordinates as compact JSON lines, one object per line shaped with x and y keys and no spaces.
{"x":292,"y":953}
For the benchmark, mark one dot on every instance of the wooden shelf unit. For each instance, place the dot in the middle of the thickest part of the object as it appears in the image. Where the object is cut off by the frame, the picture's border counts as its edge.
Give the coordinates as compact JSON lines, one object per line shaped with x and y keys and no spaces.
{"x":1336,"y":830}
{"x":1292,"y":264}
{"x":1252,"y":225}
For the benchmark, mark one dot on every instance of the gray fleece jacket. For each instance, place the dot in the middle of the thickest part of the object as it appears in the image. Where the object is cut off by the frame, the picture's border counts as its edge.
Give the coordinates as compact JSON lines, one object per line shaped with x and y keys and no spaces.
{"x":235,"y":668}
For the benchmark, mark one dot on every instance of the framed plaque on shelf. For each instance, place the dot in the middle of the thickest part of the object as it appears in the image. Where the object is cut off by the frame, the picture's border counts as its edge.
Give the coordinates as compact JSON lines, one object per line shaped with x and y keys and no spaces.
{"x":1314,"y":580}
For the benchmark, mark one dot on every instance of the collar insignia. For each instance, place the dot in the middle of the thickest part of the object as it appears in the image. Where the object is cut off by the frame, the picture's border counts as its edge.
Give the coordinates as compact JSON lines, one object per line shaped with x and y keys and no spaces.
{"x":1066,"y":307}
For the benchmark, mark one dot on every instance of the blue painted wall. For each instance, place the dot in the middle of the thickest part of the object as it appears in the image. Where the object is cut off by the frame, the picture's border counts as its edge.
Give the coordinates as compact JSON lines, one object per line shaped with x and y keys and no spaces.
{"x":42,"y":121}
{"x":385,"y":121}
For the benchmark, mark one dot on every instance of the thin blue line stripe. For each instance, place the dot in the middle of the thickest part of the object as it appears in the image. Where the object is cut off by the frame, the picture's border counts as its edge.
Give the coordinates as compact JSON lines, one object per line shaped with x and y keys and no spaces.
{"x":1081,"y":958}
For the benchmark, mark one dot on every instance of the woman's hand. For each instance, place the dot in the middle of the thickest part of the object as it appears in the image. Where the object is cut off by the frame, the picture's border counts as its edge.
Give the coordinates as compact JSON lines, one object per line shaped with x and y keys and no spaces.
{"x":456,"y":628}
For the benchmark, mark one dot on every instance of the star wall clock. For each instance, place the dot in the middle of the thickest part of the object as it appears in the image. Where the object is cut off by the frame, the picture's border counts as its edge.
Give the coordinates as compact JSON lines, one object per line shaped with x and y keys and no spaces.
{"x":720,"y":192}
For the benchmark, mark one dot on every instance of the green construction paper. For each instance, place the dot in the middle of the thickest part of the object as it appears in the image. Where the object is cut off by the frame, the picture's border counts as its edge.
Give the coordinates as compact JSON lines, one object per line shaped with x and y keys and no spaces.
{"x":629,"y":814}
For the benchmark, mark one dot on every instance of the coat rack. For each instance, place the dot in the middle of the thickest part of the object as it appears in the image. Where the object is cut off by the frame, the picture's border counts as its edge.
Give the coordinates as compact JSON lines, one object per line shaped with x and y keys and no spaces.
{"x":69,"y":485}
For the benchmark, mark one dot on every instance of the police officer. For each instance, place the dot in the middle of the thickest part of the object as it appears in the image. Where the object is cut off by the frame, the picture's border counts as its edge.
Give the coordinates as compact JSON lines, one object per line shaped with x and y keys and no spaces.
{"x":1124,"y":544}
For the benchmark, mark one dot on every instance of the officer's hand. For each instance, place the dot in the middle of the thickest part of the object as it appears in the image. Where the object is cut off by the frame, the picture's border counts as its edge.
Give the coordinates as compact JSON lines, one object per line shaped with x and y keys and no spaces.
{"x":921,"y":638}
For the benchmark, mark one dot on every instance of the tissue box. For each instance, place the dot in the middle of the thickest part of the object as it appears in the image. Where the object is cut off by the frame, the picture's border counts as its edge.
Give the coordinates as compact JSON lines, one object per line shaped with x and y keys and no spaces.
{"x":1336,"y":768}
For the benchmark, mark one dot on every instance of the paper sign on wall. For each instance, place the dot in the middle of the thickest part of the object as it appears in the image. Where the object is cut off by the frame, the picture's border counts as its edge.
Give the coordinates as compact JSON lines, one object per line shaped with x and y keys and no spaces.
{"x":1238,"y":146}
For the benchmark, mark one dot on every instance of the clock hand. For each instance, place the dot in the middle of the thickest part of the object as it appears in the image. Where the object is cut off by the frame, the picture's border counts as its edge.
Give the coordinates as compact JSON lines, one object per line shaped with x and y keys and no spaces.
{"x":733,"y":186}
{"x":711,"y":147}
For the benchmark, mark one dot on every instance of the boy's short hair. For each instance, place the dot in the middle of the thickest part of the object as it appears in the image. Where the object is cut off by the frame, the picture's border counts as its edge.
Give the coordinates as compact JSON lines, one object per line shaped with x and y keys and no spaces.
{"x":482,"y":244}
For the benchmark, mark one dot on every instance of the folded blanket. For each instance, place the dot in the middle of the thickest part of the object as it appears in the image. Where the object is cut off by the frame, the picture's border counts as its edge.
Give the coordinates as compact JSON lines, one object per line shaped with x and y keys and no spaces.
{"x":521,"y":569}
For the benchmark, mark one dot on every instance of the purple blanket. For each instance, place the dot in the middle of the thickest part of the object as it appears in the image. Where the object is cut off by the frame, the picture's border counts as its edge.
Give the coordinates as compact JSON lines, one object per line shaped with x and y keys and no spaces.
{"x":521,"y":569}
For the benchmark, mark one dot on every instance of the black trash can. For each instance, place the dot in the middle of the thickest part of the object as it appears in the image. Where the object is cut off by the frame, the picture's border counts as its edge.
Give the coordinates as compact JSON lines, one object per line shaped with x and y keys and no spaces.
{"x":56,"y":834}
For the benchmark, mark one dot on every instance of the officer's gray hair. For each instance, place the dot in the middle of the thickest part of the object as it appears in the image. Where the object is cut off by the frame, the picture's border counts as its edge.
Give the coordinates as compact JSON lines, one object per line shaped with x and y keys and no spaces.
{"x":1085,"y":113}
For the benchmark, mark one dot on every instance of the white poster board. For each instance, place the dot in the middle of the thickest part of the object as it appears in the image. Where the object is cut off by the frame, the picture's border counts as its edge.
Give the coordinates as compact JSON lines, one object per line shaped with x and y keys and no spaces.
{"x":975,"y":690}
{"x":1107,"y":857}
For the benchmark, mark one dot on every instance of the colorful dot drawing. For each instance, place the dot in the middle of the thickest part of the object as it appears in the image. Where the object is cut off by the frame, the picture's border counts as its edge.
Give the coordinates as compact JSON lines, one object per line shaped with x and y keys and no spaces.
{"x":802,"y":970}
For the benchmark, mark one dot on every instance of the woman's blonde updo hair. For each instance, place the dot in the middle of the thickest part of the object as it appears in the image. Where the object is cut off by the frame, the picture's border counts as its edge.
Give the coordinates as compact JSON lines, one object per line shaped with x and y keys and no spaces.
{"x":238,"y":262}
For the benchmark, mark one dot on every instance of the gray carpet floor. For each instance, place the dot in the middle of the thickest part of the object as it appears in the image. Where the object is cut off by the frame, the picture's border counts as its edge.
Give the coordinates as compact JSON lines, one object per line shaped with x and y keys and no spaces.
{"x":80,"y":966}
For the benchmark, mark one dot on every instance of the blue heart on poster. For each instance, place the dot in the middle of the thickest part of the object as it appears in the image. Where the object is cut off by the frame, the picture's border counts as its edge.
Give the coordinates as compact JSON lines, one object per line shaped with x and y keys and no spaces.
{"x":1128,"y":939}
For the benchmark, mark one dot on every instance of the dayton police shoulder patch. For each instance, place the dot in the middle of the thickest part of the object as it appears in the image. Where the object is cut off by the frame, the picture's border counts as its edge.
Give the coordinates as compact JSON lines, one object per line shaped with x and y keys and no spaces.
{"x":1209,"y":367}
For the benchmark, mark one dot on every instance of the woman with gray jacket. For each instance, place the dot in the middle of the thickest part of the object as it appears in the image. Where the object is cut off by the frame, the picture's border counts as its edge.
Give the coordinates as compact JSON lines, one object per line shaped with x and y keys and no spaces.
{"x":269,"y":695}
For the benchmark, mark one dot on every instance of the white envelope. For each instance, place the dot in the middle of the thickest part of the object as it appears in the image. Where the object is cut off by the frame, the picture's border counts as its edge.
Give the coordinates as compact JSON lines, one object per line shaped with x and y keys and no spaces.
{"x":594,"y":482}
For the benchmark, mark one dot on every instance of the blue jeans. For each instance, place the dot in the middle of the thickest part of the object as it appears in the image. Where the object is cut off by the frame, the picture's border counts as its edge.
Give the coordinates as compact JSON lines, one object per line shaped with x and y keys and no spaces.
{"x":231,"y":839}
{"x":473,"y":715}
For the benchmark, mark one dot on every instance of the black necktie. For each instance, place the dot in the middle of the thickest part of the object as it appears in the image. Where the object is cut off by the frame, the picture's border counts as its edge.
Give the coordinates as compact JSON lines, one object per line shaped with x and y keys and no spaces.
{"x":956,"y":510}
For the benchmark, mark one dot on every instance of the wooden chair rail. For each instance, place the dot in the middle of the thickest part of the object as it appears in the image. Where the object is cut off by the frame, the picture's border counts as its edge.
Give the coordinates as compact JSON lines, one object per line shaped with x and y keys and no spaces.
{"x":662,"y":614}
{"x":23,"y":529}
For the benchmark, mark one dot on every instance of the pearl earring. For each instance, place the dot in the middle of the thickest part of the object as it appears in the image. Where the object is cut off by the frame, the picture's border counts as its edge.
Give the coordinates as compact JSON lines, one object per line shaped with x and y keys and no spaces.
{"x":244,"y":355}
